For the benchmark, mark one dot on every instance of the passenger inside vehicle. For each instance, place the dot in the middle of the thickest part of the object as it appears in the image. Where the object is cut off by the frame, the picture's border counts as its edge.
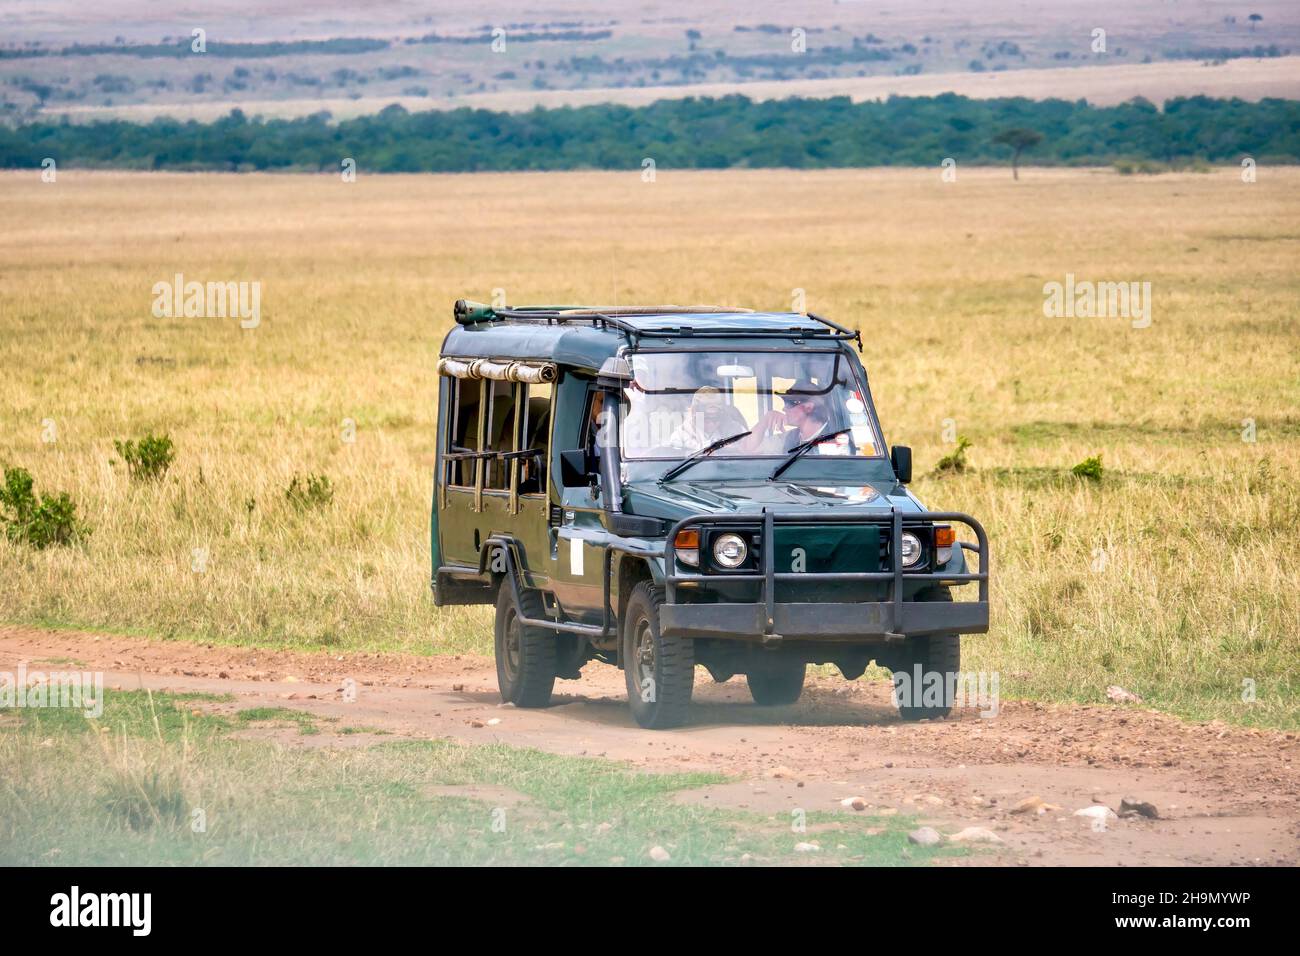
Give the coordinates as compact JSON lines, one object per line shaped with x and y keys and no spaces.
{"x":708,"y":419}
{"x":532,"y":477}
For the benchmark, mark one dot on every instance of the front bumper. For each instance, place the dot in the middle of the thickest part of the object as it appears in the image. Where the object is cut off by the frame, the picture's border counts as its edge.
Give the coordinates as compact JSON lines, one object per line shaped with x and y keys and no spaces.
{"x":855,"y":623}
{"x":770,"y":621}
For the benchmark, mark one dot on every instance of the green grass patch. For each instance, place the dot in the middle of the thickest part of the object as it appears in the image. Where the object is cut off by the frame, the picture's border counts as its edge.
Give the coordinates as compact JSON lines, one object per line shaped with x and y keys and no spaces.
{"x":1064,"y":479}
{"x":137,"y":713}
{"x":1148,"y":434}
{"x":154,"y":783}
{"x":280,"y":716}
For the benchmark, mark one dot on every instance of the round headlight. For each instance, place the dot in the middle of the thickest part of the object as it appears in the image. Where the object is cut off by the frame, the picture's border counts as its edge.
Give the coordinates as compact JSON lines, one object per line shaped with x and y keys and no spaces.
{"x":911,"y":549}
{"x":730,"y":550}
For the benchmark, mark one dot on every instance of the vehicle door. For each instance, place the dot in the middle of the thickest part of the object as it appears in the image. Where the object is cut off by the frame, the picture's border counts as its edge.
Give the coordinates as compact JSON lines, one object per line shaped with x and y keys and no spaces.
{"x":579,"y":536}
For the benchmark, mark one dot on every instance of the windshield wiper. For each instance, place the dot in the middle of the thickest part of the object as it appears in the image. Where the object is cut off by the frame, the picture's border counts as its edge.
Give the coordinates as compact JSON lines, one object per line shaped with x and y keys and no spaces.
{"x":681,"y":466}
{"x":802,"y":447}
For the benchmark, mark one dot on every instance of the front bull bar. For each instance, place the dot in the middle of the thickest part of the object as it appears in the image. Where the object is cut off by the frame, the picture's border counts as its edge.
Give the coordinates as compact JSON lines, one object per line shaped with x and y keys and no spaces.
{"x":893,"y":619}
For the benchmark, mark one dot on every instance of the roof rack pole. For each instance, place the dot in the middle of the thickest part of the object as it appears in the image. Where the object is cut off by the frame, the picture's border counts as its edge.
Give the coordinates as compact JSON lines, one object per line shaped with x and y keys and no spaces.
{"x":597,"y":319}
{"x":634,"y":333}
{"x":630,"y":332}
{"x":855,"y":334}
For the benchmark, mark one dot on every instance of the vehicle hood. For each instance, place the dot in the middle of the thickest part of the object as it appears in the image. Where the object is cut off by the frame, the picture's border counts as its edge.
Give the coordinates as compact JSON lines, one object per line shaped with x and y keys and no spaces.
{"x":678,"y":499}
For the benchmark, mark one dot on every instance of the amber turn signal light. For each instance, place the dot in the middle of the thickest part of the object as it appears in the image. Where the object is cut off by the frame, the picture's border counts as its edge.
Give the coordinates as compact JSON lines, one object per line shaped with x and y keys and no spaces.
{"x":687,"y":543}
{"x":944,"y":536}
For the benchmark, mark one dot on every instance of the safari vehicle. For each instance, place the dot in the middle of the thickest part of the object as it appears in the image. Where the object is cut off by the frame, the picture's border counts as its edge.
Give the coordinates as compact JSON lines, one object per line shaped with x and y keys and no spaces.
{"x":656,"y":488}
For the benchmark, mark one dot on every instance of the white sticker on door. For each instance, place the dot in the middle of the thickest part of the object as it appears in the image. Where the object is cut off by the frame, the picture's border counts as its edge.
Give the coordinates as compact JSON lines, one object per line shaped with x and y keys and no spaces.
{"x":575,"y":556}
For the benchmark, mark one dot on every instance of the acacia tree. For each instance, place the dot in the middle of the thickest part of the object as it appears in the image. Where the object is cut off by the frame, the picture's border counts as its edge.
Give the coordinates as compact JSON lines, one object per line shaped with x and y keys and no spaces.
{"x":1019,"y":139}
{"x":1254,"y":18}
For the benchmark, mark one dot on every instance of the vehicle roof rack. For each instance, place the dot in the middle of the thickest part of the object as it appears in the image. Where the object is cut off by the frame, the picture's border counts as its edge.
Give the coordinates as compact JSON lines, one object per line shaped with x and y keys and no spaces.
{"x":615,"y":317}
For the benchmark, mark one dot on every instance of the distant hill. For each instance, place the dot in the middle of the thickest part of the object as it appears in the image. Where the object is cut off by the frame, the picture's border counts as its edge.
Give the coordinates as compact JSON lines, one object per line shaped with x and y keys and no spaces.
{"x":130,"y":60}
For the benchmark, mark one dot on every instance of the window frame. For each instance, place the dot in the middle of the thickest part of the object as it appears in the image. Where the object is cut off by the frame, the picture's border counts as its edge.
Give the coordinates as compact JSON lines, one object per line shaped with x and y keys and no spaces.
{"x":453,"y":419}
{"x":525,"y":422}
{"x":485,"y":458}
{"x":487,"y":415}
{"x":843,"y":365}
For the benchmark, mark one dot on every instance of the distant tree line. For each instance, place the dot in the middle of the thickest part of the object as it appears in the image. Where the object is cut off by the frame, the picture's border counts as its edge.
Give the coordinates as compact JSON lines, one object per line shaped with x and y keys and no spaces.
{"x":684,"y":133}
{"x":180,"y":49}
{"x":701,"y":61}
{"x":1228,"y":53}
{"x":530,"y":36}
{"x":261,"y":50}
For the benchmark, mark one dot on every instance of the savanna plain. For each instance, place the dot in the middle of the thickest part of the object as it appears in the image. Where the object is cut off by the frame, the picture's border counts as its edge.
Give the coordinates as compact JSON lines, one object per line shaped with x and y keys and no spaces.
{"x":1169,"y":570}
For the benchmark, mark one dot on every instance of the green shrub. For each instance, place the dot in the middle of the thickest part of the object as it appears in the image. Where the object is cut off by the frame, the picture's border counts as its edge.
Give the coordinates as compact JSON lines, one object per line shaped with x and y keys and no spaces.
{"x":955,"y":462}
{"x":1089,"y":468}
{"x":315,"y":492}
{"x":149,"y":458}
{"x":40,"y":523}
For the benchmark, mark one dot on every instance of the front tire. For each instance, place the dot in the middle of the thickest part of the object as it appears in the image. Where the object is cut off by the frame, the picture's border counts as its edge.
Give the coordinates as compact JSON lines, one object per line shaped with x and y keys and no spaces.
{"x":525,"y":655}
{"x":935,"y":653}
{"x":776,"y":682}
{"x":659,"y":671}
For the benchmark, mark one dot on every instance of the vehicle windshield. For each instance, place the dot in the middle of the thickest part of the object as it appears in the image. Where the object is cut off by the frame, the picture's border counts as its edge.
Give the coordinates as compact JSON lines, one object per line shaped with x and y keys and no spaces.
{"x":679,"y":403}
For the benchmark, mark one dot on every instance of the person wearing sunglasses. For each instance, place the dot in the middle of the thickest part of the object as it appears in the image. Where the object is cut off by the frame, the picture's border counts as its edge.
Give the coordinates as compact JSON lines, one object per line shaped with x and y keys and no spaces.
{"x":801,"y":419}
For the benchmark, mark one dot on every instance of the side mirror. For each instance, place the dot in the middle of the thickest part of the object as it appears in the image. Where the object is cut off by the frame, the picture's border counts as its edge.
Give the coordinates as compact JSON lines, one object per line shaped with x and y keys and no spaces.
{"x":575,"y":468}
{"x":900,"y":456}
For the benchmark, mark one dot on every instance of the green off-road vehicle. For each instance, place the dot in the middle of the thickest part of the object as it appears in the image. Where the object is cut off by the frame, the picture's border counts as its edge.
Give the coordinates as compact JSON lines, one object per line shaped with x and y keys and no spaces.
{"x":664,"y":487}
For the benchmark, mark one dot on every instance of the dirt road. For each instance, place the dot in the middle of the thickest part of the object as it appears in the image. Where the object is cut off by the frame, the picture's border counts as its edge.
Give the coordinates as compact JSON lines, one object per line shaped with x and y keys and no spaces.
{"x":1225,"y":795}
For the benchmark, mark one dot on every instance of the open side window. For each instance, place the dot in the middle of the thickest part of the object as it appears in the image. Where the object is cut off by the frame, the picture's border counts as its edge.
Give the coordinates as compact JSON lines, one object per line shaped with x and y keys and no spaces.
{"x":536,"y":433}
{"x":600,"y":442}
{"x":463,"y":437}
{"x":494,"y":424}
{"x":596,"y":421}
{"x":500,"y":433}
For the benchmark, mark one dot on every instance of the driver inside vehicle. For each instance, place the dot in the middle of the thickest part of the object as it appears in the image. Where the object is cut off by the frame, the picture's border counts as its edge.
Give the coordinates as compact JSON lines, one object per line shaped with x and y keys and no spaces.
{"x":801,"y":420}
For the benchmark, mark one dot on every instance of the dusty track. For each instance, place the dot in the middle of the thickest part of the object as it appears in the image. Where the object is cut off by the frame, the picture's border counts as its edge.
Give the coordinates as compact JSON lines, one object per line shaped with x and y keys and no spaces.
{"x":1226,"y":795}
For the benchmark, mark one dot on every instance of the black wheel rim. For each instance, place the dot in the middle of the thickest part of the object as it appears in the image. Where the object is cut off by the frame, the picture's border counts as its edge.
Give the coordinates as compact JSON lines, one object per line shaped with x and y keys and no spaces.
{"x":512,"y":646}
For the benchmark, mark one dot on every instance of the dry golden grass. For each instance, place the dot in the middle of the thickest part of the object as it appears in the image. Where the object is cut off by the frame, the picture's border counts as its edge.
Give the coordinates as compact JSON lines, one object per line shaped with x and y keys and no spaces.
{"x":1199,"y":589}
